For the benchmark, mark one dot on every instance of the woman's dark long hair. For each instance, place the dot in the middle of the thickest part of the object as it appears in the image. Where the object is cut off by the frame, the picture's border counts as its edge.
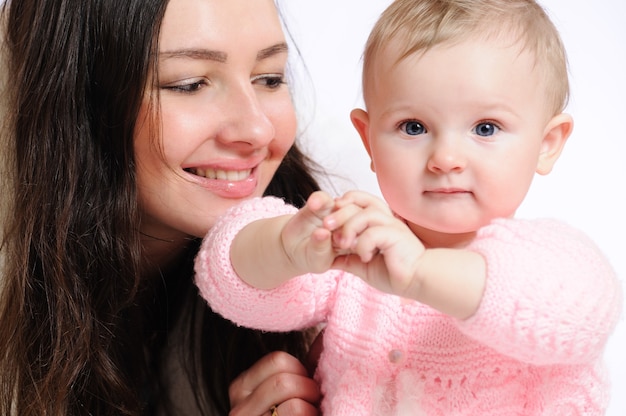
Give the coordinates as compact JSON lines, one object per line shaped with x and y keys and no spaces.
{"x":81,"y":331}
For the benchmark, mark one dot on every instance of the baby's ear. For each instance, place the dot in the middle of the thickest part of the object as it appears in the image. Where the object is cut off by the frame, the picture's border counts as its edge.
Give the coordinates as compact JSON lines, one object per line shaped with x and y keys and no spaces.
{"x":555,"y":135}
{"x":361,"y":120}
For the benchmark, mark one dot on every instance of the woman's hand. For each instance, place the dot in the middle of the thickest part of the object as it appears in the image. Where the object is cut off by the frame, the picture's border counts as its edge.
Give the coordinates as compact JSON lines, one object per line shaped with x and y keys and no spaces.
{"x":277,"y":379}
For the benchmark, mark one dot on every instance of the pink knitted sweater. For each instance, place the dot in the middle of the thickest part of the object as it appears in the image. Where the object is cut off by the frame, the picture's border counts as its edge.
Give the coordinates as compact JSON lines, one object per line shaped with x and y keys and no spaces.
{"x":534,"y":347}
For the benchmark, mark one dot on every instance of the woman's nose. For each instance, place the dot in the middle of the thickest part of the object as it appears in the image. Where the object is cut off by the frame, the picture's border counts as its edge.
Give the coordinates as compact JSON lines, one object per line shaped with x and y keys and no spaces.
{"x":446,"y":156}
{"x":245,"y":122}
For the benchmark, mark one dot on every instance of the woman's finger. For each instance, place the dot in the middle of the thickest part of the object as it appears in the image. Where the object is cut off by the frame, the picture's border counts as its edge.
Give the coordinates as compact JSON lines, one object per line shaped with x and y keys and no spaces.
{"x":290,"y":392}
{"x":294,"y":407}
{"x":275,"y":379}
{"x":273,"y":363}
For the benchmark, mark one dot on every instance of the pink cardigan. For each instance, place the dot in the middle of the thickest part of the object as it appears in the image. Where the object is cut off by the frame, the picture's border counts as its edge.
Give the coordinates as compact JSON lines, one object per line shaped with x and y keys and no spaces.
{"x":534,"y":347}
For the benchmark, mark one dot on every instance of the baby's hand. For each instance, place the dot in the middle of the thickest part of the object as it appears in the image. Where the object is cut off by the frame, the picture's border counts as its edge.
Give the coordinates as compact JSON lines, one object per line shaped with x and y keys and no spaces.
{"x":344,"y":221}
{"x":383,"y":251}
{"x":305,"y":241}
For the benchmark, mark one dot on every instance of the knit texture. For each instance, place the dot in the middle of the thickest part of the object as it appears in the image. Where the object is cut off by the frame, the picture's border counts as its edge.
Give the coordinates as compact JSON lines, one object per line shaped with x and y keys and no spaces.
{"x":534,"y":347}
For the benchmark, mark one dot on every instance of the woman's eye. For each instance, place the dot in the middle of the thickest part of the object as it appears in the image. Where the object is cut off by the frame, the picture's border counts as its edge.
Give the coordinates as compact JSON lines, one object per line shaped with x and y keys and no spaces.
{"x":269,"y":81}
{"x":486,"y":129}
{"x":413,"y":128}
{"x":188,"y":88}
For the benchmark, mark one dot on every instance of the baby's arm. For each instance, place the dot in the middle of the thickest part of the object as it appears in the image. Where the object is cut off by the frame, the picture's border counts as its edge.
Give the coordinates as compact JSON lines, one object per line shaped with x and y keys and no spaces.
{"x":270,"y":251}
{"x":388,"y":256}
{"x":301,"y":302}
{"x":551,"y":296}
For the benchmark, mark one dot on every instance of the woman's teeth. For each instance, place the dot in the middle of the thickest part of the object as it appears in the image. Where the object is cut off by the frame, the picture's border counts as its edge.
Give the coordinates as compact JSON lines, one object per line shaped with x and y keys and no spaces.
{"x":227,"y":175}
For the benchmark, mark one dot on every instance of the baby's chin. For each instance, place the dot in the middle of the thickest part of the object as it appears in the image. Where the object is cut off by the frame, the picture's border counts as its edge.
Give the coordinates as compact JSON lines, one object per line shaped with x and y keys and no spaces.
{"x":443,"y":235}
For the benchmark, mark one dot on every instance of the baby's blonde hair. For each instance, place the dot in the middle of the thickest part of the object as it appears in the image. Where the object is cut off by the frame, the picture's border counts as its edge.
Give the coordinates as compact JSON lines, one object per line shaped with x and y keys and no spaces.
{"x":419,"y":25}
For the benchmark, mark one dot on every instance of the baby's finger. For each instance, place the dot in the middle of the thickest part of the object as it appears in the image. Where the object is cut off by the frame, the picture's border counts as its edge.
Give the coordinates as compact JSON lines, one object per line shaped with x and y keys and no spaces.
{"x":373,"y":241}
{"x":365,"y":219}
{"x":363,"y":200}
{"x":320,"y":204}
{"x":340,"y":216}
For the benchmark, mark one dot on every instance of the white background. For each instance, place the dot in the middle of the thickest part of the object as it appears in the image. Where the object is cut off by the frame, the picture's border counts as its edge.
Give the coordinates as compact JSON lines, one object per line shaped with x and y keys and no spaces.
{"x":587,"y":187}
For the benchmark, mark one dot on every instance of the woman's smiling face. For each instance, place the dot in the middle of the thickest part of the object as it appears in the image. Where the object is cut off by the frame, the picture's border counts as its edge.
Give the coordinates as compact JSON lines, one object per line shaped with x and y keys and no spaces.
{"x":226,"y":118}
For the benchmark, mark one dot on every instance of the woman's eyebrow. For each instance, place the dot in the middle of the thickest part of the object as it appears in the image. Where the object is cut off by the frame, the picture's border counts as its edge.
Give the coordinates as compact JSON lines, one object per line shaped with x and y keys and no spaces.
{"x":203,"y":54}
{"x":271,"y":51}
{"x":219,"y":56}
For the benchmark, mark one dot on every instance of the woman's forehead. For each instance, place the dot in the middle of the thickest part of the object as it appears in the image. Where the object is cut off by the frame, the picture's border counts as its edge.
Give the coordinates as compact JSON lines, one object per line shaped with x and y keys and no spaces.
{"x":219,"y":25}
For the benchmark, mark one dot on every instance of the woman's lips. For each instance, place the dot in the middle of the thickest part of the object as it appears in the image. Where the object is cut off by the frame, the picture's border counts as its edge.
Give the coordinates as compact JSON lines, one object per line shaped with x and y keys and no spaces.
{"x":226,"y":183}
{"x":223,"y":174}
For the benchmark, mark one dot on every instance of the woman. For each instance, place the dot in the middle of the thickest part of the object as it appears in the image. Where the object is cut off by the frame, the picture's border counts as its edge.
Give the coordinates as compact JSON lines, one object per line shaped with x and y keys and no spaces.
{"x":132,"y":125}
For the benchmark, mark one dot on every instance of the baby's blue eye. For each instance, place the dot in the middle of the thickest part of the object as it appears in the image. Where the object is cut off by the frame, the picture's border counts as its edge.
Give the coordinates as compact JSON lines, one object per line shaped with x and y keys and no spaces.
{"x":413,"y":128}
{"x":486,"y":129}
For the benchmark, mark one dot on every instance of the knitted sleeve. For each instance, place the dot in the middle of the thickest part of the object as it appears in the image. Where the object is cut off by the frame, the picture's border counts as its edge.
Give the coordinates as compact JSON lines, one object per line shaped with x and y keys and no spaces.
{"x":299,"y":303}
{"x":550,"y":297}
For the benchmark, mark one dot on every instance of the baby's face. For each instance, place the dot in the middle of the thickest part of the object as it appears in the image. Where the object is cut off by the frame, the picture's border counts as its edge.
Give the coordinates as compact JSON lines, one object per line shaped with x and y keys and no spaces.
{"x":456,"y":134}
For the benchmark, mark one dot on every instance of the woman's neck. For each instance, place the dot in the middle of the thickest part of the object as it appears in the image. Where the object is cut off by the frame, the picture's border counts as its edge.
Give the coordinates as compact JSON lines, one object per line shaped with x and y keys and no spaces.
{"x":160,"y":255}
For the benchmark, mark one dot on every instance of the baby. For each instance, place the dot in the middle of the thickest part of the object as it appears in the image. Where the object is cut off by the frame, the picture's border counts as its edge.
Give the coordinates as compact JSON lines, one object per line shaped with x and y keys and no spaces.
{"x":437,"y":301}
